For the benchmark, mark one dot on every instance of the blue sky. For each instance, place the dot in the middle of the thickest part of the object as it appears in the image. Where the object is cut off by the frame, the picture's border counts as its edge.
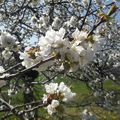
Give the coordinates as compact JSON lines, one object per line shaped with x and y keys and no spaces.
{"x":33,"y":39}
{"x":108,"y":1}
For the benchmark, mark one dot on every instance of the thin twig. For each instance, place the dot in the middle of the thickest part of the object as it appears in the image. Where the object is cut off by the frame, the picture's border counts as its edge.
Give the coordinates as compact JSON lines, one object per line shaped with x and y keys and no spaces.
{"x":83,"y":22}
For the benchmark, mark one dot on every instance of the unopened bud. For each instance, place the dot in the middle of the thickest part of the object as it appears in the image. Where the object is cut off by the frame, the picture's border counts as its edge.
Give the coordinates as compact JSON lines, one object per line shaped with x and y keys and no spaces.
{"x":112,"y":10}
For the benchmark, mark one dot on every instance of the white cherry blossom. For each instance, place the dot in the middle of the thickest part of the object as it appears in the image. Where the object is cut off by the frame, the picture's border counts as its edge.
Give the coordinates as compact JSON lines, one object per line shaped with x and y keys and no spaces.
{"x":27,"y":62}
{"x":51,"y":88}
{"x":79,"y":35}
{"x":7,"y":40}
{"x":2,"y":69}
{"x":68,"y":95}
{"x":56,"y":23}
{"x":55,"y":103}
{"x":55,"y":94}
{"x":51,"y":110}
{"x":6,"y":54}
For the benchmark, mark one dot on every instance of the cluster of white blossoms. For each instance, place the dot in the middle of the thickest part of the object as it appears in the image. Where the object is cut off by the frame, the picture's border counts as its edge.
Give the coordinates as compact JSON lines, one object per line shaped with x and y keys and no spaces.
{"x":52,"y":108}
{"x":71,"y":23}
{"x":56,"y":23}
{"x":7,"y":40}
{"x":72,"y":54}
{"x":55,"y":94}
{"x":9,"y":43}
{"x":6,"y":54}
{"x":40,"y":23}
{"x":29,"y":58}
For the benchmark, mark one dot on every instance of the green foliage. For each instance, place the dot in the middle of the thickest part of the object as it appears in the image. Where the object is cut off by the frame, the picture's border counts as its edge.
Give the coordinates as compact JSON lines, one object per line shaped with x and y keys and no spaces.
{"x":72,"y":110}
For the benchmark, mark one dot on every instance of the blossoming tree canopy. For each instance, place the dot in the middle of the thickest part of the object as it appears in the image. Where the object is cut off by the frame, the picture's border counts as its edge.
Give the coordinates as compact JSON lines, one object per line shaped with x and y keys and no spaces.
{"x":73,"y":38}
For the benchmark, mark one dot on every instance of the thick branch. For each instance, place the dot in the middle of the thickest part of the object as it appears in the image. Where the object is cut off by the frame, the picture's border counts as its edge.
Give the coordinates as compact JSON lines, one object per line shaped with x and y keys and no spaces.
{"x":28,"y":69}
